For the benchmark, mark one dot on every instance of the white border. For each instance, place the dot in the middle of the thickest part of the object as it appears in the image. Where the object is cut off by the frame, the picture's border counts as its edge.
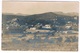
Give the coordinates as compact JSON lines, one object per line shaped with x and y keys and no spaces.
{"x":79,"y":31}
{"x":40,"y":0}
{"x":33,"y":51}
{"x":0,"y":21}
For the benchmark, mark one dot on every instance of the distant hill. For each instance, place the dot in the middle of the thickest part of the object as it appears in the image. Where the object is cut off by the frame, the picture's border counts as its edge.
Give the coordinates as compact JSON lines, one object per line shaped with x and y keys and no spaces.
{"x":72,"y":14}
{"x":67,"y":14}
{"x":31,"y":19}
{"x":52,"y":18}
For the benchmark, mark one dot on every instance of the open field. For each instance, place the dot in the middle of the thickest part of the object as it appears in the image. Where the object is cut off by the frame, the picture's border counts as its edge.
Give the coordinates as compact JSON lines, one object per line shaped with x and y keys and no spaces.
{"x":12,"y":42}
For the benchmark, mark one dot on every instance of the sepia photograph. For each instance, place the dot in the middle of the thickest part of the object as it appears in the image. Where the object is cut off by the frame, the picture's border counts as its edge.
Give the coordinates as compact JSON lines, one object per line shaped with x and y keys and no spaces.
{"x":40,"y":26}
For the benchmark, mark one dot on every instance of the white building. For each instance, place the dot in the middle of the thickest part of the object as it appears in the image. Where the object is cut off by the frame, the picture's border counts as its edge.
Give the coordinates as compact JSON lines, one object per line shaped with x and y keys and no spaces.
{"x":65,"y":32}
{"x":75,"y":18}
{"x":32,"y":28}
{"x":46,"y":26}
{"x":68,"y":27}
{"x":14,"y":19}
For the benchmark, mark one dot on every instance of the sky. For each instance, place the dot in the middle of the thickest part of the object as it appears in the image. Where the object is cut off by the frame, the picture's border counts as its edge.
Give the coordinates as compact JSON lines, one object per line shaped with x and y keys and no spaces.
{"x":39,"y":7}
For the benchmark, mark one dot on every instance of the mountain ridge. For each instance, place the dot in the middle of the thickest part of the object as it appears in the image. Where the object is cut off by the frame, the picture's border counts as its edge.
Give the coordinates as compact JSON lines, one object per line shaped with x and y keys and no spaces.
{"x":59,"y":13}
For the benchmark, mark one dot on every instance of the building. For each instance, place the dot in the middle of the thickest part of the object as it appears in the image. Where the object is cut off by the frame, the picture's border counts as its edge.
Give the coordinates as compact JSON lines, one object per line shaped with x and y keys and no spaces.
{"x":67,"y":27}
{"x":47,"y":26}
{"x":75,"y":18}
{"x":65,"y":32}
{"x":32,"y":28}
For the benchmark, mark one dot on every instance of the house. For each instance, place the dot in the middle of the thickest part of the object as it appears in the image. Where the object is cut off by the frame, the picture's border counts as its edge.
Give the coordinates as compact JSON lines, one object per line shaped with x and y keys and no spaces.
{"x":32,"y":28}
{"x":67,"y":27}
{"x":43,"y":30}
{"x":13,"y":20}
{"x":47,"y":26}
{"x":7,"y":27}
{"x":75,"y":18}
{"x":63,"y":31}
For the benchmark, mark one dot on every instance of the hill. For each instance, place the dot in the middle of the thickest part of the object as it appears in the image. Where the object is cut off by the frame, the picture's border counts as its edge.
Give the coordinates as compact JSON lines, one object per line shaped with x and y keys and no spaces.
{"x":52,"y":18}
